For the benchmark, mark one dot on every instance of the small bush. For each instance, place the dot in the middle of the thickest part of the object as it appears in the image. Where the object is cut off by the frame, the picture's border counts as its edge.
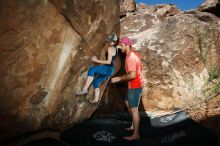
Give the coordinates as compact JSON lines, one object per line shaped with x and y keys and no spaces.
{"x":216,"y":88}
{"x":214,"y":73}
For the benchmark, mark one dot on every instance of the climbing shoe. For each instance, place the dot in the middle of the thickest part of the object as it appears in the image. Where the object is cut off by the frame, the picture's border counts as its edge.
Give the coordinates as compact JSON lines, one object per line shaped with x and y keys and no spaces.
{"x":82,"y":92}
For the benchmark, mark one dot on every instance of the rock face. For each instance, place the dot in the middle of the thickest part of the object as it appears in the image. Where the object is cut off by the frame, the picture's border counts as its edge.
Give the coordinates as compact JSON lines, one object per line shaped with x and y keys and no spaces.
{"x":146,"y":17}
{"x":180,"y":54}
{"x":45,"y":52}
{"x":211,"y":6}
{"x":127,"y":6}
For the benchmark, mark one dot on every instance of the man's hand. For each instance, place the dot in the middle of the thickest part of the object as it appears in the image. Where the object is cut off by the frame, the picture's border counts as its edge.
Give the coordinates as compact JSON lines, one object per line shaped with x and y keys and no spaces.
{"x":119,"y":46}
{"x":115,"y":79}
{"x":94,"y":59}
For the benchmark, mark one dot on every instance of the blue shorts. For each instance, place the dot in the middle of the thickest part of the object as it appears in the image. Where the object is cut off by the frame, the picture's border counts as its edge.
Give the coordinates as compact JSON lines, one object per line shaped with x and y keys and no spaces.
{"x":133,"y":97}
{"x":102,"y":72}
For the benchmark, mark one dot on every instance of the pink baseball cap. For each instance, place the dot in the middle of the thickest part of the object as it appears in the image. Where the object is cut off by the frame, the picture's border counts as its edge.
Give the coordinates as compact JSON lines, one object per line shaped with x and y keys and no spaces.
{"x":126,"y":41}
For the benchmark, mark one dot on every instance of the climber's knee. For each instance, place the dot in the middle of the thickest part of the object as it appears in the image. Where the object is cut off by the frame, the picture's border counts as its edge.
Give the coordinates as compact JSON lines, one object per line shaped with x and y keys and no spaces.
{"x":91,"y":71}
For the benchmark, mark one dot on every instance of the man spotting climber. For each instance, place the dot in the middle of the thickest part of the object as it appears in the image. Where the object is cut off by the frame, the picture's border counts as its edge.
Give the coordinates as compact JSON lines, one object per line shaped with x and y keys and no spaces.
{"x":133,"y":69}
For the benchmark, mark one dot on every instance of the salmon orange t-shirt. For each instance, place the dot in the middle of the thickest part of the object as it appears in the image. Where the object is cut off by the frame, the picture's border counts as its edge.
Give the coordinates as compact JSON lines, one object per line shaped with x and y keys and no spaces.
{"x":133,"y":63}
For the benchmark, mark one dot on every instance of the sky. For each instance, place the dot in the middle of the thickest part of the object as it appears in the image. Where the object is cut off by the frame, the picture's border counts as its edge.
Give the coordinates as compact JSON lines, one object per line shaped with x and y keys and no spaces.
{"x":181,"y":4}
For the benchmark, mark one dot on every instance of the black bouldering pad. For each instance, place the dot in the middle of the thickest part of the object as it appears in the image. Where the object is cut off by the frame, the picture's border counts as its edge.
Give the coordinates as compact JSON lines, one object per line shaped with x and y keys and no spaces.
{"x":176,"y":130}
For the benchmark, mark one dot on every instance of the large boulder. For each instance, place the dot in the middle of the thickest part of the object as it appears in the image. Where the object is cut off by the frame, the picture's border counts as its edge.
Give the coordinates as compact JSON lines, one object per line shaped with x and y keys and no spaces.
{"x":46,"y":48}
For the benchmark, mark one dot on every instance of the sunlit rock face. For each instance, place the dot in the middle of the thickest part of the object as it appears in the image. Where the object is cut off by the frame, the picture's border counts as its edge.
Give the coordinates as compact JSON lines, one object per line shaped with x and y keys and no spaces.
{"x":146,"y":17}
{"x":127,"y":6}
{"x":211,"y":6}
{"x":46,"y":48}
{"x":180,"y":55}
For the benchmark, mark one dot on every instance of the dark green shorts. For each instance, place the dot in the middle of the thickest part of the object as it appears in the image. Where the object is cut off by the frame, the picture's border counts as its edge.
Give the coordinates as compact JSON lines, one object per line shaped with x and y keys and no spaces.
{"x":133,"y":97}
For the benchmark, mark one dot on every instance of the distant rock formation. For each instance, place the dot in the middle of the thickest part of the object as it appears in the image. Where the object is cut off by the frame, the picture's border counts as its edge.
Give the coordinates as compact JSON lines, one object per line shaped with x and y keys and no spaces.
{"x":211,"y":6}
{"x":127,"y":6}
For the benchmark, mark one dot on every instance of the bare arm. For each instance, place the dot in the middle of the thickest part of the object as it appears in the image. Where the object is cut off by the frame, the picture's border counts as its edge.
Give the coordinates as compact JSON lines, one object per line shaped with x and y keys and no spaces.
{"x":108,"y":61}
{"x":130,"y":76}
